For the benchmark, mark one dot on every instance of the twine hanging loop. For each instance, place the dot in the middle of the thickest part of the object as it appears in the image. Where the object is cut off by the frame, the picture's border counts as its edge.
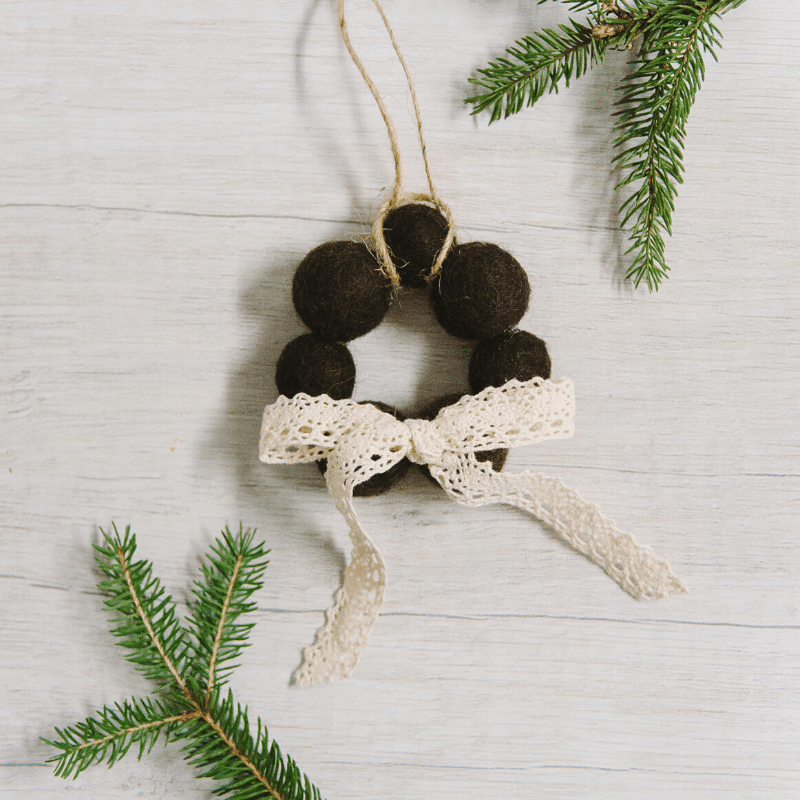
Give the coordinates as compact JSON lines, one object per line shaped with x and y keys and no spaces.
{"x":398,"y":197}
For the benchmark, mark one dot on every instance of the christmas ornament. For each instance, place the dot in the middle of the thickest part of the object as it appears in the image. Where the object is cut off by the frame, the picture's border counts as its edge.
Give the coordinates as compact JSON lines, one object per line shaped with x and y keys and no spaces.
{"x":342,"y":290}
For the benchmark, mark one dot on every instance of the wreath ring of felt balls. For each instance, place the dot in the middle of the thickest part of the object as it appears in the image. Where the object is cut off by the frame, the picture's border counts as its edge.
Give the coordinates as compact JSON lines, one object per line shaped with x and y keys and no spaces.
{"x":340,"y":292}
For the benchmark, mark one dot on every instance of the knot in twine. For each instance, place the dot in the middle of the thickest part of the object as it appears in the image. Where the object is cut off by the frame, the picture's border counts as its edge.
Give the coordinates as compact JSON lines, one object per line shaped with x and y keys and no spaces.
{"x":360,"y":441}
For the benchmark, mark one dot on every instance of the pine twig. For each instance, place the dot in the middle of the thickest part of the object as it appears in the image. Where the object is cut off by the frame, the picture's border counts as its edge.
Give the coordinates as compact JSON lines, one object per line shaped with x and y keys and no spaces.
{"x":188,"y":667}
{"x":537,"y":65}
{"x":671,"y":36}
{"x":233,"y":573}
{"x":108,"y":736}
{"x":655,"y":107}
{"x":147,"y":624}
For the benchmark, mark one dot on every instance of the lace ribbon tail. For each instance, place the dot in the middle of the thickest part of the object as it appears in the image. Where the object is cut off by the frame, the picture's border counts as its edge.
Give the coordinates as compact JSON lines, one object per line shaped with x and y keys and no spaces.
{"x":349,"y":620}
{"x":634,"y":567}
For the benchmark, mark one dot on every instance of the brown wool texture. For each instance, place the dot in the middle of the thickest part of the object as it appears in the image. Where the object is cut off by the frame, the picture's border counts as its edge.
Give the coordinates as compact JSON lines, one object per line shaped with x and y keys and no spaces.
{"x":315,"y":366}
{"x":415,"y":234}
{"x":481,"y":291}
{"x":497,"y":457}
{"x":383,"y":481}
{"x":340,"y":292}
{"x":513,"y":354}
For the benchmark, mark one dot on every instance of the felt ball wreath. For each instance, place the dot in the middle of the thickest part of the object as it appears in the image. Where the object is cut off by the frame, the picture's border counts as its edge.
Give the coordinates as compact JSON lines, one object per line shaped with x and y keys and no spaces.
{"x":481,"y":292}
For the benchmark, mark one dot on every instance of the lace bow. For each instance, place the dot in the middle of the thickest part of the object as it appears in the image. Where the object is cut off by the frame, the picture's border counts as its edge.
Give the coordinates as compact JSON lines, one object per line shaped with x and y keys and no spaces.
{"x":360,"y":440}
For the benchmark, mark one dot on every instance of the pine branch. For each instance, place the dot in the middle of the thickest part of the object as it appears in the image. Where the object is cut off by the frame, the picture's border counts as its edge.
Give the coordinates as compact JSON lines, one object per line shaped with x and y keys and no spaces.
{"x":233,"y":573}
{"x":652,"y":125}
{"x":148,"y":624}
{"x":228,"y":751}
{"x":672,"y":36}
{"x":108,"y":736}
{"x":188,"y":668}
{"x":537,"y":66}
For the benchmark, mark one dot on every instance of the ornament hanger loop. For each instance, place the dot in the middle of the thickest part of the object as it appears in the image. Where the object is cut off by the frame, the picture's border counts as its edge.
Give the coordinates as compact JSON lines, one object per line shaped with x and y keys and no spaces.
{"x":398,"y":197}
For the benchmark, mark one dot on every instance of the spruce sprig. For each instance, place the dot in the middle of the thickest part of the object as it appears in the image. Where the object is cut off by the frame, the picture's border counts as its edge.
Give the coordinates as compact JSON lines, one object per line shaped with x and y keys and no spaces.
{"x":230,"y":580}
{"x":111,"y":734}
{"x":147,"y":623}
{"x":671,"y":37}
{"x":189,"y":666}
{"x":537,"y":66}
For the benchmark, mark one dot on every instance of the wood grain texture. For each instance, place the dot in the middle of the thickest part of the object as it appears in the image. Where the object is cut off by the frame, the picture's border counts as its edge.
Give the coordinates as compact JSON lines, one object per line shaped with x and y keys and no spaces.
{"x":164,"y":166}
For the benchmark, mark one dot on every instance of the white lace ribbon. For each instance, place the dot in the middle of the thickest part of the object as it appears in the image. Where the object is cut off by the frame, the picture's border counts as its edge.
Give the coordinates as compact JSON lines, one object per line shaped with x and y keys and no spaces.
{"x":359,"y":441}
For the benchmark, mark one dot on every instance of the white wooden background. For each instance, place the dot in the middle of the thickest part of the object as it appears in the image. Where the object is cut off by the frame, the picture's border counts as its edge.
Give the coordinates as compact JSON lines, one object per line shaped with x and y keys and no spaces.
{"x":164,"y":167}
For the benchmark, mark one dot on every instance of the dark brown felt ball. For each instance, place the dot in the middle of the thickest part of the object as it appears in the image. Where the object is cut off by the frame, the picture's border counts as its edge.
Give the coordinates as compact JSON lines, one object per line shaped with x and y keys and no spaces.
{"x":315,"y":366}
{"x":383,"y":481}
{"x":496,"y":457}
{"x":340,"y":292}
{"x":481,"y":291}
{"x":513,"y":354}
{"x":415,"y":234}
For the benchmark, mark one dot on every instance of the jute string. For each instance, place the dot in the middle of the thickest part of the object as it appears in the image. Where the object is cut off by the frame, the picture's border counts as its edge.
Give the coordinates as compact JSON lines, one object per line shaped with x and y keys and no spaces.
{"x":398,"y":197}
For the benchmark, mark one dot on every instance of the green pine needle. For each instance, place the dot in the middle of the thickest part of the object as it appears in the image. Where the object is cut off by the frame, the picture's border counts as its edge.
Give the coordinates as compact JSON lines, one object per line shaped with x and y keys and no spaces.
{"x":671,"y":36}
{"x":188,"y":667}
